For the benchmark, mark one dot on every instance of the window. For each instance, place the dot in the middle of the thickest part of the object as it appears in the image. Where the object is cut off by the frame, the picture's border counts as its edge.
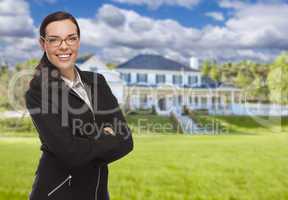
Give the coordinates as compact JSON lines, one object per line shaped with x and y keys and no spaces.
{"x":196,"y":100}
{"x":160,"y":78}
{"x":190,"y":100}
{"x":192,"y":80}
{"x":141,"y":78}
{"x":203,"y":101}
{"x":180,"y":99}
{"x":93,"y":69}
{"x":177,"y":79}
{"x":144,"y":99}
{"x":126,"y":77}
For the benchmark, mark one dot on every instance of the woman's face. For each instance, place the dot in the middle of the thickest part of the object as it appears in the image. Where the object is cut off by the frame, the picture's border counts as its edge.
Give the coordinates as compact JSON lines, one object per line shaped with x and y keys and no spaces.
{"x":62,"y":54}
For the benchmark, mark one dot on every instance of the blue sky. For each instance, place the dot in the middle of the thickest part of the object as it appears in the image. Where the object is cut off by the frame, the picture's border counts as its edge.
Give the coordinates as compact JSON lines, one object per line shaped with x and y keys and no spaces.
{"x":117,"y":30}
{"x":194,"y":16}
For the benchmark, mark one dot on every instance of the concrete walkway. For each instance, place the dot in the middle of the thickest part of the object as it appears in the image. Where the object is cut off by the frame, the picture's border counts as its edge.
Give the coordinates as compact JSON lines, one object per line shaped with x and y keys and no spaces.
{"x":188,"y":125}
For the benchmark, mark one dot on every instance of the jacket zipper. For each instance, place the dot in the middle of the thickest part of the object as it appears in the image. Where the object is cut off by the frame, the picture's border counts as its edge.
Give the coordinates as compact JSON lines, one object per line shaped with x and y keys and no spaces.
{"x":98,"y":182}
{"x":61,"y":184}
{"x":68,"y":178}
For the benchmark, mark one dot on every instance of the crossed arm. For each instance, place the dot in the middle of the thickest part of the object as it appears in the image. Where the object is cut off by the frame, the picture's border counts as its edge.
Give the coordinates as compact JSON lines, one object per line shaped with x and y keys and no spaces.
{"x":76,"y":151}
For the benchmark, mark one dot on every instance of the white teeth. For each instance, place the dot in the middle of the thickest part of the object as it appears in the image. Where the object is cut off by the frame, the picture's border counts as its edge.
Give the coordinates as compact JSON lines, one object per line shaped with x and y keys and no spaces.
{"x":64,"y":56}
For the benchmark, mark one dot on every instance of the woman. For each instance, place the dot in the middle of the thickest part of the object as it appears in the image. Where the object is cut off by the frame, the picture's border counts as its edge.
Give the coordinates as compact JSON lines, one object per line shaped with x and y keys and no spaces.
{"x":80,"y":125}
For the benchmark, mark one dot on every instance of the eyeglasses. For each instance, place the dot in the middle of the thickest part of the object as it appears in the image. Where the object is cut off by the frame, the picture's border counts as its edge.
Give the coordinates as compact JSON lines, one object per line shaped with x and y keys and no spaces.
{"x":57,"y":41}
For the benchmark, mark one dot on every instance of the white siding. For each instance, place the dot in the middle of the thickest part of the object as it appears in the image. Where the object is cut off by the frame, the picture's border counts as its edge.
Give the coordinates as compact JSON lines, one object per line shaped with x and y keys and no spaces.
{"x":168,"y":75}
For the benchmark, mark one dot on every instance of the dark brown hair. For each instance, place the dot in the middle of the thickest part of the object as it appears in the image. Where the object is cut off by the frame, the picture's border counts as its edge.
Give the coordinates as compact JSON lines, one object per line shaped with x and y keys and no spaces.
{"x":56,"y":16}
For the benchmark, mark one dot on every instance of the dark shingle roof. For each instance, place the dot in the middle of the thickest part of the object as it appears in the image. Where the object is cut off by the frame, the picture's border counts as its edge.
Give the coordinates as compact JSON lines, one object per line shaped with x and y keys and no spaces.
{"x":156,"y":62}
{"x":83,"y":58}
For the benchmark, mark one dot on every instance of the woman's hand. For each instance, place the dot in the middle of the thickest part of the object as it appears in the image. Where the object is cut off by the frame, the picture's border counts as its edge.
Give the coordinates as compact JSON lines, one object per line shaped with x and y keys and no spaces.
{"x":108,"y":130}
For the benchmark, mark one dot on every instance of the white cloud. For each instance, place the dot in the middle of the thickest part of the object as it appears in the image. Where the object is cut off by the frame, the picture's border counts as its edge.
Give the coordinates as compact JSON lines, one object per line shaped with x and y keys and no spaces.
{"x":15,"y":19}
{"x":136,"y":32}
{"x":215,"y":15}
{"x":111,"y":15}
{"x":154,"y":4}
{"x":14,"y":7}
{"x":235,"y":4}
{"x":19,"y":49}
{"x":254,"y":31}
{"x":261,"y":25}
{"x":17,"y":32}
{"x":18,"y":26}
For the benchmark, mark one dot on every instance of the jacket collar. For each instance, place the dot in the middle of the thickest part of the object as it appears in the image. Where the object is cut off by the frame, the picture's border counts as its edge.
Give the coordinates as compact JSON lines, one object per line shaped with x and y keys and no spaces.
{"x":73,"y":83}
{"x":86,"y":77}
{"x":49,"y":73}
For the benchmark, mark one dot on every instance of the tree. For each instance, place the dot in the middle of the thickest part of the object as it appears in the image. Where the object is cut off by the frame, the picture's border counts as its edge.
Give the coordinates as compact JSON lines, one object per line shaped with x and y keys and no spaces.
{"x":277,"y":79}
{"x":242,"y":80}
{"x":205,"y":69}
{"x":215,"y":73}
{"x":29,"y":64}
{"x":111,"y":65}
{"x":227,"y":74}
{"x":5,"y":75}
{"x":258,"y":90}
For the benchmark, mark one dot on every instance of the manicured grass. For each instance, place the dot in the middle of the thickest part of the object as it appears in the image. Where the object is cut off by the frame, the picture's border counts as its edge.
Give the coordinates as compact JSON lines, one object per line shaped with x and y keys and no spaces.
{"x":139,"y":123}
{"x":153,"y":124}
{"x":19,"y":157}
{"x":247,"y":125}
{"x":172,"y":167}
{"x":17,"y":127}
{"x":147,"y":124}
{"x":251,"y":162}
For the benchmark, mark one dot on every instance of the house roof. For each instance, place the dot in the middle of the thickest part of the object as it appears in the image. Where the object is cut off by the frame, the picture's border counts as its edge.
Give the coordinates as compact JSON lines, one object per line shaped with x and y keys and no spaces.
{"x":93,"y":64}
{"x":83,"y":58}
{"x":154,"y":62}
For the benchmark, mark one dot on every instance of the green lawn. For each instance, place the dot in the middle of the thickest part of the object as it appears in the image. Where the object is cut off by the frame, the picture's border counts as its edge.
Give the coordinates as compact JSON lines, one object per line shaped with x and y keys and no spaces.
{"x":149,"y":124}
{"x":175,"y":167}
{"x":245,"y":125}
{"x":172,"y":167}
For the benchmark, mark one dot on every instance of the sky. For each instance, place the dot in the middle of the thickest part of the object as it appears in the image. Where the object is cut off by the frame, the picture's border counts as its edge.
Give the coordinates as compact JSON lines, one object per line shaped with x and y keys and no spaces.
{"x":118,"y":30}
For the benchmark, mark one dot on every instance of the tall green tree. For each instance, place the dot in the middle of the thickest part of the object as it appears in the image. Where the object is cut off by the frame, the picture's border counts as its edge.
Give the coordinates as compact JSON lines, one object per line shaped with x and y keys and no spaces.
{"x":205,"y":69}
{"x":215,"y":73}
{"x":277,"y":79}
{"x":242,"y":80}
{"x":5,"y":75}
{"x":29,"y":64}
{"x":22,"y":83}
{"x":227,"y":73}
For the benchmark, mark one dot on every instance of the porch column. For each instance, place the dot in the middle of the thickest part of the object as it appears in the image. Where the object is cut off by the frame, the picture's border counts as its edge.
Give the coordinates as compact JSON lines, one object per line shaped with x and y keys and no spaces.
{"x":222,"y":100}
{"x":192,"y":100}
{"x":138,"y":99}
{"x":154,"y":99}
{"x":209,"y":100}
{"x":232,"y":98}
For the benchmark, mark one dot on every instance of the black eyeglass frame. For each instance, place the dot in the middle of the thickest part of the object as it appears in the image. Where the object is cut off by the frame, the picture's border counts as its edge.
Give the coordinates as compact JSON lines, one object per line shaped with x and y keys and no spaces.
{"x":60,"y":40}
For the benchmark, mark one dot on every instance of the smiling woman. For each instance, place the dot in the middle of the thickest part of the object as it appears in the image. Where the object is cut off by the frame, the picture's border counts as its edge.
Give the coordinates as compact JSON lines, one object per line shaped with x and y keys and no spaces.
{"x":78,"y":119}
{"x":61,"y":54}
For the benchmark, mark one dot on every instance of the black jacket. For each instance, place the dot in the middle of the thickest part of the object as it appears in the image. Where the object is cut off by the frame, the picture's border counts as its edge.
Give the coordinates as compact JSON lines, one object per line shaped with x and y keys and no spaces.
{"x":75,"y":149}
